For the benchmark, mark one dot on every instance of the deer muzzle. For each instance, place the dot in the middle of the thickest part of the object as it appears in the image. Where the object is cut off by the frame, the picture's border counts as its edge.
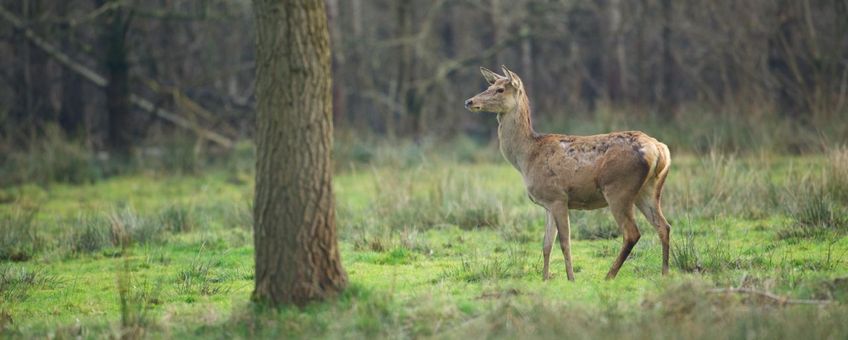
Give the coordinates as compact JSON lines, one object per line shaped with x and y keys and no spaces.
{"x":469,"y":104}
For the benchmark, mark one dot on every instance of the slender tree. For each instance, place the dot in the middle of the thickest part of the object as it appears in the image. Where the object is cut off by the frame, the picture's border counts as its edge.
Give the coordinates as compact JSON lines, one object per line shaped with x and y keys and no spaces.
{"x":297,"y":255}
{"x":116,"y":60}
{"x":667,"y":100}
{"x":72,"y":110}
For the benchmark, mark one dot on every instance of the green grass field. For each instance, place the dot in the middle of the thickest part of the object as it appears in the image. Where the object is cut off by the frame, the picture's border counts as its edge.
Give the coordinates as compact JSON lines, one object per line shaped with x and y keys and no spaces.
{"x":435,"y":247}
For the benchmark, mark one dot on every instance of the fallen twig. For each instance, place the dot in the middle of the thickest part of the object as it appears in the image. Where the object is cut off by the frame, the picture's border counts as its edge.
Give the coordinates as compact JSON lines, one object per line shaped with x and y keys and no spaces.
{"x":783,"y":300}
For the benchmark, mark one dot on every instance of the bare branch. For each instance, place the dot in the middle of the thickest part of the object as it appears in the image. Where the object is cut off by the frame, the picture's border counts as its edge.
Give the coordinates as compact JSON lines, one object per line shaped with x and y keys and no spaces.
{"x":101,"y":81}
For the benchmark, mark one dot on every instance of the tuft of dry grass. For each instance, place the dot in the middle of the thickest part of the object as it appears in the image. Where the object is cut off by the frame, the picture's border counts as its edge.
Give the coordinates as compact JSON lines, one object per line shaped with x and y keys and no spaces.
{"x":814,"y":211}
{"x":720,"y":184}
{"x":19,"y":236}
{"x":16,"y":282}
{"x":837,"y":173}
{"x":89,"y":234}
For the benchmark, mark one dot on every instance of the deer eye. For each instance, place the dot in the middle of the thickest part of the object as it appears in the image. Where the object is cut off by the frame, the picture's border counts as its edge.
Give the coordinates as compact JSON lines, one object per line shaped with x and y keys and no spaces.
{"x":500,"y":90}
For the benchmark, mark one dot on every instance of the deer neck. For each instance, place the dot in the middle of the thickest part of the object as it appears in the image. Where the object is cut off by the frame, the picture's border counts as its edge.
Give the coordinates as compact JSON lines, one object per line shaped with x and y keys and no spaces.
{"x":516,"y":134}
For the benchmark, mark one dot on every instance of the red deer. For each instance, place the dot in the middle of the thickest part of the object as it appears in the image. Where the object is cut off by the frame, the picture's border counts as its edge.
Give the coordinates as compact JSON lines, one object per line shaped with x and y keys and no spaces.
{"x":561,"y":172}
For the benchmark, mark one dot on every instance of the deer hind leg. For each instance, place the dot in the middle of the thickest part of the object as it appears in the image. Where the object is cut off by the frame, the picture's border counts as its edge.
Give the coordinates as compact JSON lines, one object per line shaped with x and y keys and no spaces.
{"x":622,"y":210}
{"x":550,"y":235}
{"x":649,"y":204}
{"x":559,"y":212}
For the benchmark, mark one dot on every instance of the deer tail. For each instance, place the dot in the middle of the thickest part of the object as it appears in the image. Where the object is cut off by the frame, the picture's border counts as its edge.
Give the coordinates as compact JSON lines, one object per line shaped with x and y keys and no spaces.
{"x":662,"y":166}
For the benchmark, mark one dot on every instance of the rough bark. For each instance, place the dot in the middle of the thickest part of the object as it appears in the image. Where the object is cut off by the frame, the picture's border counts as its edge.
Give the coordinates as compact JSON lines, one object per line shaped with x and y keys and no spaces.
{"x":297,"y":255}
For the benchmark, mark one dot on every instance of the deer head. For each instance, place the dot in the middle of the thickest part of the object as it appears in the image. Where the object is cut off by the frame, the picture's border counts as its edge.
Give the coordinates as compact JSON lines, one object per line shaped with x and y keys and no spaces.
{"x":501,"y":96}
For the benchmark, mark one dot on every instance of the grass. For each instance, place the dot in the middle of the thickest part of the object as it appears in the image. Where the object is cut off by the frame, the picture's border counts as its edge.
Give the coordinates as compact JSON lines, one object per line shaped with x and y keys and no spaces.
{"x":433,"y":246}
{"x":16,"y":282}
{"x":685,"y":255}
{"x":199,"y":278}
{"x":514,"y":263}
{"x":19,"y":239}
{"x":838,"y":173}
{"x":89,"y":234}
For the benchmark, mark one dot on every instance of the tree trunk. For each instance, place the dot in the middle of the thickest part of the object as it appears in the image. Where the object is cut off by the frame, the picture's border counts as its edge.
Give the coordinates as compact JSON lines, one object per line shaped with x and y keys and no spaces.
{"x":495,"y":35}
{"x":297,"y":256}
{"x":617,"y":80}
{"x":528,"y":77}
{"x":789,"y":86}
{"x":667,"y":95}
{"x":72,"y":111}
{"x":339,"y":61}
{"x":118,"y":88}
{"x":356,"y":14}
{"x":405,"y":93}
{"x":37,"y":78}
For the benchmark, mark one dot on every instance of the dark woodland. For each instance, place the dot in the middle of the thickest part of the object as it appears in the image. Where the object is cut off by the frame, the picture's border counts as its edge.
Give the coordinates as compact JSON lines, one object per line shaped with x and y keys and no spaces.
{"x":119,"y":74}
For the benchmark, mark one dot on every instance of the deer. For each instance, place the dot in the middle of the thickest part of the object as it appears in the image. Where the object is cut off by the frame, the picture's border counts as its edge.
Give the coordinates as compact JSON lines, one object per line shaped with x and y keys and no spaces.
{"x":618,"y":170}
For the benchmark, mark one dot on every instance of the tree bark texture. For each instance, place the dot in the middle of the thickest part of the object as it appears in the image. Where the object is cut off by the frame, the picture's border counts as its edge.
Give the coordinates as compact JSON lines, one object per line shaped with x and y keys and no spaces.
{"x":297,"y":255}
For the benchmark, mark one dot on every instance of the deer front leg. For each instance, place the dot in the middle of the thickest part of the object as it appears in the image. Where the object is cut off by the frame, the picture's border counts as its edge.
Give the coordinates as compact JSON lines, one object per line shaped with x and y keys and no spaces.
{"x":550,"y":235}
{"x":559,"y":211}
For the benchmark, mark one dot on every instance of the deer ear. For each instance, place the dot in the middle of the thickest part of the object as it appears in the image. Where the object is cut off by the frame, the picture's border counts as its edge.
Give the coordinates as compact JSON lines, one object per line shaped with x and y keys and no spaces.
{"x":513,"y":78}
{"x":490,"y":75}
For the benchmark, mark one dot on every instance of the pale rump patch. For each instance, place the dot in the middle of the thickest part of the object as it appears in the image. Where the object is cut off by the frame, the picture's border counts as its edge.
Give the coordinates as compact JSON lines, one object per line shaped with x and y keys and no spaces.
{"x":564,"y":144}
